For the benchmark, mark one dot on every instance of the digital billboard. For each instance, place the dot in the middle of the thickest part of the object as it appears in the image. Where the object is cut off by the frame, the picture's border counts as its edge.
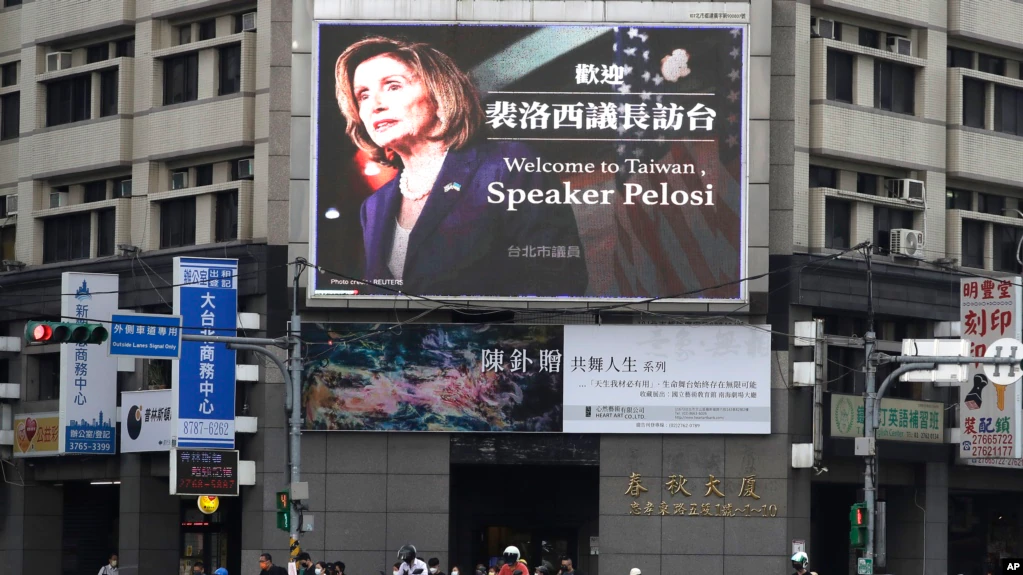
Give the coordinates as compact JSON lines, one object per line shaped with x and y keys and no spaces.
{"x":507,"y":161}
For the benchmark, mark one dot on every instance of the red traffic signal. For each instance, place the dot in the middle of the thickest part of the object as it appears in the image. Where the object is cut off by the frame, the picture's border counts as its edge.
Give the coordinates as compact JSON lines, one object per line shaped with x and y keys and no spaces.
{"x":61,"y":332}
{"x":42,"y":332}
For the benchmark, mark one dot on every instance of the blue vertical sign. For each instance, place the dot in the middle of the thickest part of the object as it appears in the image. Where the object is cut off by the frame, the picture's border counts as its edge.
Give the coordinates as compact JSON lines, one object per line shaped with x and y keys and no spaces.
{"x":206,"y":298}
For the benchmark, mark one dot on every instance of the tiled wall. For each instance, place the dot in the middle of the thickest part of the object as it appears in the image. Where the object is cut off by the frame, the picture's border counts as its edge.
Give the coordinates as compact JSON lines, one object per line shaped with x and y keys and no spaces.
{"x":998,"y":21}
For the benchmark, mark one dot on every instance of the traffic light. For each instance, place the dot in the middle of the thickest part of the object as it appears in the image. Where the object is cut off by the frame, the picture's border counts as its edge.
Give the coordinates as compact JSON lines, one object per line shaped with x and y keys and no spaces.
{"x":283,"y":511}
{"x":61,"y":332}
{"x":858,"y":526}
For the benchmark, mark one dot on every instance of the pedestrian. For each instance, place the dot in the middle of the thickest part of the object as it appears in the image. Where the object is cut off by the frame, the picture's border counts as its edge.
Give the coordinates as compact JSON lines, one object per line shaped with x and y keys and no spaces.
{"x":338,"y":568}
{"x":434,"y":565}
{"x":304,"y":563}
{"x":567,"y":568}
{"x":111,"y":567}
{"x":267,"y":567}
{"x":198,"y":568}
{"x":322,"y":568}
{"x":542,"y":570}
{"x":455,"y":570}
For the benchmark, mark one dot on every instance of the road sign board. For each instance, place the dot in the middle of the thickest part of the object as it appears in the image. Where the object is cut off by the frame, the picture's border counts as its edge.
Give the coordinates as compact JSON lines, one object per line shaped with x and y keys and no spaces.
{"x":864,"y":566}
{"x":145,"y":335}
{"x":1004,"y":374}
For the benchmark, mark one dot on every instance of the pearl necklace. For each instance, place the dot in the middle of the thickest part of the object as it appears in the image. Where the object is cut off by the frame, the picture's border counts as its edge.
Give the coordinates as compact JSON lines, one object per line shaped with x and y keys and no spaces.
{"x":426,"y":177}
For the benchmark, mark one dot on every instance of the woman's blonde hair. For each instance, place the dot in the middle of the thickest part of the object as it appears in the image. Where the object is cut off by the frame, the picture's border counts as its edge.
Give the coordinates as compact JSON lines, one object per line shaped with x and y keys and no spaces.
{"x":458,"y":104}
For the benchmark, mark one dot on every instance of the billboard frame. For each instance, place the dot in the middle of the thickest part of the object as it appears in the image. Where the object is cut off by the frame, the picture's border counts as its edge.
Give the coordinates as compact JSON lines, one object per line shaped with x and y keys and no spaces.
{"x":316,"y":297}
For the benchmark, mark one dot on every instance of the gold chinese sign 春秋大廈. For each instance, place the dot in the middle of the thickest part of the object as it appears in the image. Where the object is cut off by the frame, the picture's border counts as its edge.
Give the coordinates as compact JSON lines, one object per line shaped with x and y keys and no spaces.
{"x":676,"y":485}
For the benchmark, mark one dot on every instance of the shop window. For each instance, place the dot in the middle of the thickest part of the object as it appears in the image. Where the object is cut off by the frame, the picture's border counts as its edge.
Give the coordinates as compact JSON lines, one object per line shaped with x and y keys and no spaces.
{"x":870,"y":38}
{"x":991,"y":204}
{"x":95,"y":191}
{"x":69,"y":100}
{"x":226,"y":216}
{"x":866,"y":184}
{"x":974,"y":102}
{"x":125,"y":48}
{"x":181,"y":79}
{"x":836,"y":224}
{"x":959,"y":58}
{"x":8,"y":74}
{"x":67,"y":238}
{"x":106,"y":224}
{"x":10,"y":116}
{"x":1009,"y":110}
{"x":204,"y":175}
{"x":958,"y":199}
{"x":991,"y":64}
{"x":177,"y":223}
{"x":821,"y":177}
{"x":230,"y":69}
{"x":973,"y":244}
{"x":894,"y":87}
{"x":885,"y":220}
{"x":108,"y":93}
{"x":840,"y":76}
{"x":207,"y":29}
{"x":1006,"y":248}
{"x":97,"y":53}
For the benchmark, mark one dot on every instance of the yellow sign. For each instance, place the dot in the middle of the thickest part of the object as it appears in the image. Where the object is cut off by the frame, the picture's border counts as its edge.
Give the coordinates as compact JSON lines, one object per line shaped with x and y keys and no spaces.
{"x":36,"y":434}
{"x":901,"y":420}
{"x":208,"y":504}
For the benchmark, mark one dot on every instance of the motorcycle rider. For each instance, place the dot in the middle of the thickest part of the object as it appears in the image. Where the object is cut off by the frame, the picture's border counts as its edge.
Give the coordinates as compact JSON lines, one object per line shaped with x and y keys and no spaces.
{"x":410,"y":564}
{"x":801,"y":563}
{"x":511,"y":563}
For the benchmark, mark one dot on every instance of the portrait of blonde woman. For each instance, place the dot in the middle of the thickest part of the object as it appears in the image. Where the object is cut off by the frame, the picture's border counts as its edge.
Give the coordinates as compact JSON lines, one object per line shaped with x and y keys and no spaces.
{"x":410,"y":107}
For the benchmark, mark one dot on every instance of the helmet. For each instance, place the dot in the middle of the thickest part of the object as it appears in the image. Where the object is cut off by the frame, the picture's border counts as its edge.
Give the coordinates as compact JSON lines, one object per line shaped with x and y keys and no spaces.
{"x":511,"y":555}
{"x":800,"y":560}
{"x":407,"y":554}
{"x":220,"y":571}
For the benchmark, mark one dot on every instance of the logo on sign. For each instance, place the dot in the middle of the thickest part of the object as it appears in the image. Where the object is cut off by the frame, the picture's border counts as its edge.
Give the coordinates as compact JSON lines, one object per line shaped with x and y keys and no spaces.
{"x":135,"y":421}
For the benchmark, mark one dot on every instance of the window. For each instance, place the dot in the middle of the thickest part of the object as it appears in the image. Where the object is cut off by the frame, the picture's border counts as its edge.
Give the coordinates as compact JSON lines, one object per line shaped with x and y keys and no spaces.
{"x":106,"y":226}
{"x":117,"y":184}
{"x":126,"y":48}
{"x":208,"y":29}
{"x":184,"y":34}
{"x":991,"y":204}
{"x":158,"y":374}
{"x":177,"y":223}
{"x":1009,"y":110}
{"x":991,"y":64}
{"x":840,"y":76}
{"x":226,"y":216}
{"x":8,"y":74}
{"x":204,"y":175}
{"x":866,"y":184}
{"x":66,"y":238}
{"x":8,"y":3}
{"x":894,"y":87}
{"x":958,"y":199}
{"x":69,"y":100}
{"x":959,"y":58}
{"x":48,"y":371}
{"x":870,"y":38}
{"x":235,"y":174}
{"x":97,"y":53}
{"x":95,"y":191}
{"x":885,"y":220}
{"x":1006,"y":246}
{"x":836,"y":224}
{"x":821,"y":177}
{"x":10,"y":116}
{"x":8,"y":234}
{"x":239,"y":23}
{"x":973,"y":244}
{"x":974,"y":100}
{"x":230,"y":69}
{"x":108,"y":93}
{"x":181,"y":79}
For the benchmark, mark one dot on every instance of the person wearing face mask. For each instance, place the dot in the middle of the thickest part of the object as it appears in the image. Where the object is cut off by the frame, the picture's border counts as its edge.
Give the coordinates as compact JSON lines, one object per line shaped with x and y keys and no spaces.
{"x":304,"y":562}
{"x":492,"y":571}
{"x":455,"y":570}
{"x":410,"y":563}
{"x":321,"y":568}
{"x":267,"y":567}
{"x":199,"y":568}
{"x":111,"y":567}
{"x":434,"y":565}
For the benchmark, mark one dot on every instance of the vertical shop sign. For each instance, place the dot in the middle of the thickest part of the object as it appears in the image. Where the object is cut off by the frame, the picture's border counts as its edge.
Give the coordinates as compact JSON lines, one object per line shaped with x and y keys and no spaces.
{"x":88,"y":375}
{"x":206,"y":298}
{"x":990,"y":415}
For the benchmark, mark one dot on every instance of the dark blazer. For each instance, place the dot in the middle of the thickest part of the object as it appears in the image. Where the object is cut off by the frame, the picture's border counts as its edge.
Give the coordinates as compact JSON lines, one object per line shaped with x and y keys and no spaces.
{"x":461,"y":245}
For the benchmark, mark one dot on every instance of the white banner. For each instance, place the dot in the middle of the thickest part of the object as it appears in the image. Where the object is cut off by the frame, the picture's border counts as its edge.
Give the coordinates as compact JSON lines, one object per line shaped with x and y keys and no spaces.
{"x":88,"y":376}
{"x":146,"y":421}
{"x":989,"y":415}
{"x":667,"y":379}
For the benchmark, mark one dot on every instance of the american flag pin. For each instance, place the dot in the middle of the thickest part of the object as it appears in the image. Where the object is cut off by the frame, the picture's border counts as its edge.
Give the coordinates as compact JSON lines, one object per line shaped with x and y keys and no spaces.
{"x":453,"y":186}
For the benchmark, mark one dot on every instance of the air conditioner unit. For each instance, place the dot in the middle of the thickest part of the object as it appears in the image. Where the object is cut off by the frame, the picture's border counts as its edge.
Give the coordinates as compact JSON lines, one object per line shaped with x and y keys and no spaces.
{"x":908,"y":243}
{"x":245,"y":169}
{"x":123,"y":189}
{"x":906,"y":189}
{"x":8,"y":205}
{"x":249,"y":22}
{"x":58,"y":199}
{"x":179,"y":180}
{"x":822,"y":28}
{"x":900,"y":45}
{"x":58,"y":61}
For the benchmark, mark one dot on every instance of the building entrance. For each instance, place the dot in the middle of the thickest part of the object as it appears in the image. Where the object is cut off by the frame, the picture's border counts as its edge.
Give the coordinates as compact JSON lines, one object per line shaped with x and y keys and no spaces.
{"x":547,"y":511}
